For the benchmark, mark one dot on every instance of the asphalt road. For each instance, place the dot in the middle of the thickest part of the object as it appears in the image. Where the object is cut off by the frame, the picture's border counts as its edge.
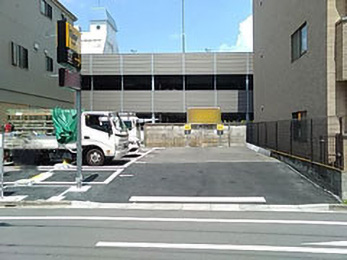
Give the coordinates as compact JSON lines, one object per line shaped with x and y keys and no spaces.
{"x":35,"y":234}
{"x":208,"y":172}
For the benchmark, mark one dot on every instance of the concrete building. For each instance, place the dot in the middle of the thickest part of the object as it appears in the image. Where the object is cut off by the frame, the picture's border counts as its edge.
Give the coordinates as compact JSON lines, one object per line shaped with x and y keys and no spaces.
{"x":164,"y":85}
{"x":101,"y":37}
{"x":28,"y":55}
{"x":300,"y":59}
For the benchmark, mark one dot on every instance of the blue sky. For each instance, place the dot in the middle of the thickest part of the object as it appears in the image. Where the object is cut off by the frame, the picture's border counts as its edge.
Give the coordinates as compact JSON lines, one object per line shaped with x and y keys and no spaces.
{"x":155,"y":25}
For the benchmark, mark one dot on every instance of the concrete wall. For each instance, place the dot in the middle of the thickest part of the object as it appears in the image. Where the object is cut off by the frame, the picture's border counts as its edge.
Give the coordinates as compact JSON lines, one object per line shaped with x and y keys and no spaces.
{"x":328,"y":178}
{"x":22,"y":23}
{"x":281,"y":86}
{"x":173,"y":135}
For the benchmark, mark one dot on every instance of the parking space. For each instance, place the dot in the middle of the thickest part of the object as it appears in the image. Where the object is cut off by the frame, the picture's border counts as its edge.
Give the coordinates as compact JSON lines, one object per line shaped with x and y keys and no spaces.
{"x":52,"y":182}
{"x":175,"y":175}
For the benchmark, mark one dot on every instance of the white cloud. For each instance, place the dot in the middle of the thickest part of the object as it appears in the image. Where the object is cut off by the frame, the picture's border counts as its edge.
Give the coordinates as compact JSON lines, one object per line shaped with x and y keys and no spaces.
{"x":244,"y":41}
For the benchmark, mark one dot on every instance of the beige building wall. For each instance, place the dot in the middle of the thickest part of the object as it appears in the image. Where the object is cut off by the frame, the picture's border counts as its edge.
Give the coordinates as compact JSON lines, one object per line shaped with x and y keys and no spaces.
{"x":281,"y":86}
{"x":313,"y":82}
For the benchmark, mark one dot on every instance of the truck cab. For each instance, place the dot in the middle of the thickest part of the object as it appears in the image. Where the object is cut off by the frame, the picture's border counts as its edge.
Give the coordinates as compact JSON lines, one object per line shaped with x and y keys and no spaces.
{"x":104,"y":137}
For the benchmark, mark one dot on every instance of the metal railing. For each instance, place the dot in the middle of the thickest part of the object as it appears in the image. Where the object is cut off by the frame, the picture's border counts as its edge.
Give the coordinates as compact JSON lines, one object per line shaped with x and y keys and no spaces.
{"x":318,"y":140}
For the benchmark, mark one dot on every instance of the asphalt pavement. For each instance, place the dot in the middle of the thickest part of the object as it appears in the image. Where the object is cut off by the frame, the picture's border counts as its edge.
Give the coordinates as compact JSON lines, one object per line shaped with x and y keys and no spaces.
{"x":174,"y":175}
{"x":235,"y":172}
{"x":35,"y":234}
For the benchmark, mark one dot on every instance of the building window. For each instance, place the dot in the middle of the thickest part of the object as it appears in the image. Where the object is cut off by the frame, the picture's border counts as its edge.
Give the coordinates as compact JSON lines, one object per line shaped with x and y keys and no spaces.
{"x":299,"y":126}
{"x":46,"y":9}
{"x":299,"y":42}
{"x":49,"y":64}
{"x":234,"y":82}
{"x":137,"y":83}
{"x":199,"y":82}
{"x":19,"y":56}
{"x":163,"y":82}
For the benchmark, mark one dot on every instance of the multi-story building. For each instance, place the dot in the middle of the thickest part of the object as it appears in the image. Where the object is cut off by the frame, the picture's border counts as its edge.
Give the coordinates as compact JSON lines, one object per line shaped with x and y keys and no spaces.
{"x":300,"y":59}
{"x":164,"y":85}
{"x":28,"y":63}
{"x":101,"y":37}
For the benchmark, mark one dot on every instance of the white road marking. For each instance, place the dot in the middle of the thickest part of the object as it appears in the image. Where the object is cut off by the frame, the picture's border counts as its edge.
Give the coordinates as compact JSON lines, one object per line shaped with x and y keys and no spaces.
{"x":41,"y":177}
{"x":197,"y":199}
{"x":113,"y":176}
{"x":139,"y":158}
{"x":126,"y":175}
{"x":180,"y":220}
{"x":13,"y":198}
{"x":223,"y":247}
{"x":71,"y":189}
{"x":56,"y":198}
{"x":76,"y":189}
{"x":332,"y":243}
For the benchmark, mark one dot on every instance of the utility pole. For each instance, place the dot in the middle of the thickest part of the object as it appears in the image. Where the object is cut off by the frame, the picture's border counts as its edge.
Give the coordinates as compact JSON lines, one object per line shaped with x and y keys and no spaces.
{"x":183,"y":57}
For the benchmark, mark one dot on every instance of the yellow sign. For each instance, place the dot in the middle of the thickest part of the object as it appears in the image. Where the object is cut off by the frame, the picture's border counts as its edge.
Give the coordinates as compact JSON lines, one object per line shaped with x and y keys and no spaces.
{"x":220,"y":127}
{"x":69,"y":45}
{"x":187,"y":127}
{"x":73,"y":38}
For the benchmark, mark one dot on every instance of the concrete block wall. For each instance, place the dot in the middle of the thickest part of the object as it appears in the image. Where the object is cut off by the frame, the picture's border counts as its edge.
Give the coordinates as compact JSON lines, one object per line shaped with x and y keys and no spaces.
{"x":172,"y":135}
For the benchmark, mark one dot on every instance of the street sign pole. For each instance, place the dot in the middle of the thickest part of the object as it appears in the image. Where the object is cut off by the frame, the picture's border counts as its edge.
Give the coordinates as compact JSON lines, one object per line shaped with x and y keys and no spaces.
{"x":79,"y":176}
{"x":2,"y":136}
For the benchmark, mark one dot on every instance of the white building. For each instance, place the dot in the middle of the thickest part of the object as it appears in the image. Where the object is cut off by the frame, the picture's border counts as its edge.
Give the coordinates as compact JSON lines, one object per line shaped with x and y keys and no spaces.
{"x":101,"y":37}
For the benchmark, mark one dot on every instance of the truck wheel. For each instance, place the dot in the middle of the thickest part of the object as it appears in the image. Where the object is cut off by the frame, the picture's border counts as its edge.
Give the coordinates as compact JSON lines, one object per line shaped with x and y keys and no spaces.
{"x":95,"y":157}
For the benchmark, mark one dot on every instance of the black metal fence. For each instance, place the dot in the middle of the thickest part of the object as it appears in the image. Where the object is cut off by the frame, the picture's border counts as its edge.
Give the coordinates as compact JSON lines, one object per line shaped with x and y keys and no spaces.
{"x":318,"y":140}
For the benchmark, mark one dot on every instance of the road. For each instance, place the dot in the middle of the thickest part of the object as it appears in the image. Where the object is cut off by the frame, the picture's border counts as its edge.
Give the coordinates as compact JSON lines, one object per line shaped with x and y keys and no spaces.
{"x":35,"y":234}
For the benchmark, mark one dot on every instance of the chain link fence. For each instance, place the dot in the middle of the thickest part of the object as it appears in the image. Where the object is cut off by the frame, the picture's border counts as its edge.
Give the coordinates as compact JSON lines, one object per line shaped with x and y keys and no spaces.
{"x":318,"y":140}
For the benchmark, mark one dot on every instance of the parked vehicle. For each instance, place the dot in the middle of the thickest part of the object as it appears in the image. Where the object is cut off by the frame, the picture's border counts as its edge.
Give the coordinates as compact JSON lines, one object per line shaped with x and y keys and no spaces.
{"x":104,"y":138}
{"x":132,"y":122}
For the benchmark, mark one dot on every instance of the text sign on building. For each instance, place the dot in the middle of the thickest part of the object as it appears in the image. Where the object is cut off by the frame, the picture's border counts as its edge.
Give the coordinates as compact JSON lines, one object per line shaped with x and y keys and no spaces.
{"x":69,"y":45}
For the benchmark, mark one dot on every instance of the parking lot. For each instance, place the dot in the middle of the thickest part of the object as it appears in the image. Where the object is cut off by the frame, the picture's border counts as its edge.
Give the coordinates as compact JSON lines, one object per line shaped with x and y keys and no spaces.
{"x":175,"y":175}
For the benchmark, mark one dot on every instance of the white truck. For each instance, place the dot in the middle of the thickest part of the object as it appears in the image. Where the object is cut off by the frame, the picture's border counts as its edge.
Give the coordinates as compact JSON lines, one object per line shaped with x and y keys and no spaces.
{"x":104,"y":138}
{"x":132,"y":122}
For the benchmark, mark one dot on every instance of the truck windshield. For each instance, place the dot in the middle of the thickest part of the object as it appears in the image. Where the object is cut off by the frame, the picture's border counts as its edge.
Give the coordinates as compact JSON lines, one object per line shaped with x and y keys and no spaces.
{"x":128,"y":124}
{"x":118,"y":123}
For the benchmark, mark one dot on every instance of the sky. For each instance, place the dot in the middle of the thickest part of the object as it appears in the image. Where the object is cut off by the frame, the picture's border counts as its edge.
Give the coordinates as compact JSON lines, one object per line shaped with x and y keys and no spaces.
{"x":148,"y":26}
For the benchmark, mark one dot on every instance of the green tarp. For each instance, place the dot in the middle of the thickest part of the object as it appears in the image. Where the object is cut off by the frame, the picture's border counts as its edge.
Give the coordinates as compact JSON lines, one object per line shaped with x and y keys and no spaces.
{"x":65,"y":124}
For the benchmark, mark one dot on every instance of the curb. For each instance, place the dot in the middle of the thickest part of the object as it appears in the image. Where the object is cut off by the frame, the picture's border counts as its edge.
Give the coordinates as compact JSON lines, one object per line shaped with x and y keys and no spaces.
{"x":258,"y":149}
{"x":313,"y":208}
{"x":35,"y":203}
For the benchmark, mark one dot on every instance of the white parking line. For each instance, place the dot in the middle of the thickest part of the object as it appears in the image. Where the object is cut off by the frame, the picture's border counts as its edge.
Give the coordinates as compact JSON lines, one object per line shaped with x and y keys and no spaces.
{"x":13,"y":198}
{"x":113,"y":176}
{"x":223,"y":247}
{"x":197,"y":199}
{"x":71,"y":189}
{"x":139,"y":158}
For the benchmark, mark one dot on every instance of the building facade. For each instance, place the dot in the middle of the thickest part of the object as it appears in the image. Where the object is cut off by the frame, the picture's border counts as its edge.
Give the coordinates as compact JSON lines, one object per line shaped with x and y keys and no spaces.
{"x":28,"y":63}
{"x":164,"y":85}
{"x":300,"y":61}
{"x":101,"y":37}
